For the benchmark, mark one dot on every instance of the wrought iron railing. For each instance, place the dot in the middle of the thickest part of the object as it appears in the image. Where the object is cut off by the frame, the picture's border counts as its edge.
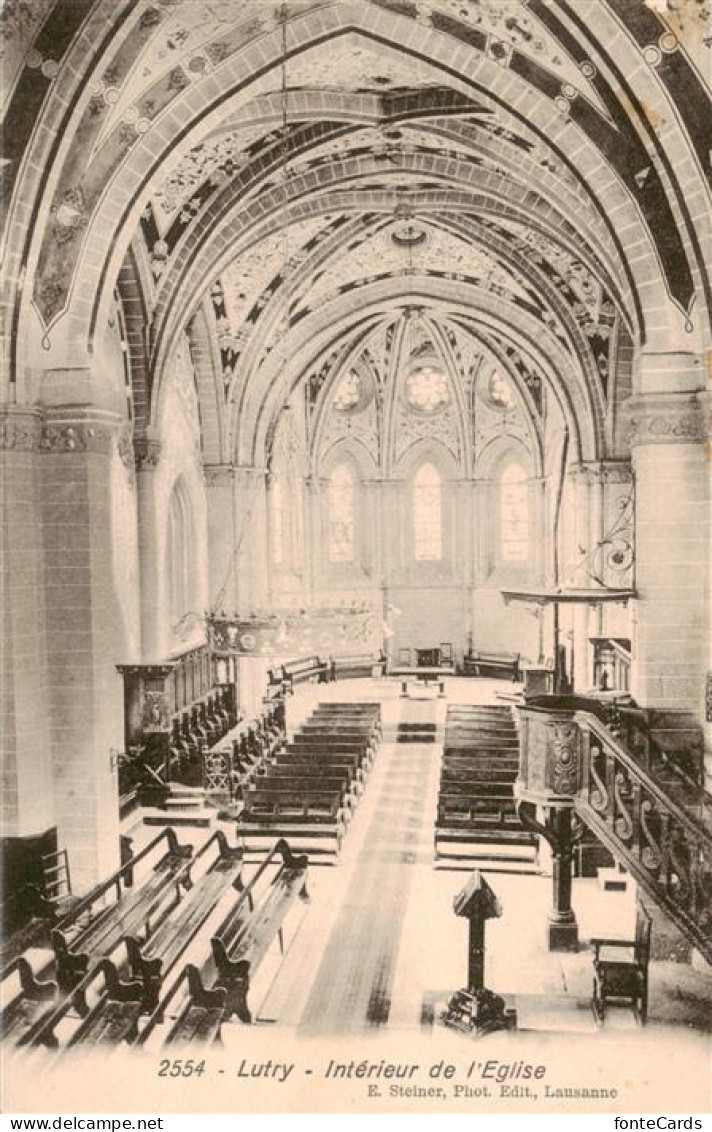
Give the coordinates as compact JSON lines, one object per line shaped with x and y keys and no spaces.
{"x":666,"y":845}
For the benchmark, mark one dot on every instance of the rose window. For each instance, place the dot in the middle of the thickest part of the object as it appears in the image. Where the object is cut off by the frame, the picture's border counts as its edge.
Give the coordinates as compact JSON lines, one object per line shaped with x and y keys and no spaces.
{"x":499,"y":391}
{"x":427,"y":389}
{"x":349,"y":392}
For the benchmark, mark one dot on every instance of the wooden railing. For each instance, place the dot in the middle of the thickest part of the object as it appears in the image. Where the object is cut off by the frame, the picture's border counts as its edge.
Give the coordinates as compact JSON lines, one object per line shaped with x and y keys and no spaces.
{"x":666,"y":846}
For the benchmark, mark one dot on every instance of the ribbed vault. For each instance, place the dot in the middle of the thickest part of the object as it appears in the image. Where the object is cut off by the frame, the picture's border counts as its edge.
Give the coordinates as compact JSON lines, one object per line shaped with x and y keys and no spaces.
{"x":244,"y":176}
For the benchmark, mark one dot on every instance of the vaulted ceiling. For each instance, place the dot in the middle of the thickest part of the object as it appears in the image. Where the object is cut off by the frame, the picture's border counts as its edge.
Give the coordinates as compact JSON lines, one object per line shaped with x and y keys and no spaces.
{"x":284,"y":180}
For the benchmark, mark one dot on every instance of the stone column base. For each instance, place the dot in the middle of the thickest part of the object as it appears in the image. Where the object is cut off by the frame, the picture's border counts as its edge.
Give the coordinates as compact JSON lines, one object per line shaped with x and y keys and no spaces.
{"x":563,"y":934}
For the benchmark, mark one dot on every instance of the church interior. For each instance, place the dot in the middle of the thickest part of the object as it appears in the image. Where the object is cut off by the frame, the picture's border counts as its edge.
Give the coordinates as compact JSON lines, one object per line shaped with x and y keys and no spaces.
{"x":356,"y":434}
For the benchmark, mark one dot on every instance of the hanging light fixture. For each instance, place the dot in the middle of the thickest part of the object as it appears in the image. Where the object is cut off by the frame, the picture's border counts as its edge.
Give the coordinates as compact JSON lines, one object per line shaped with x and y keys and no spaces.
{"x":230,"y":633}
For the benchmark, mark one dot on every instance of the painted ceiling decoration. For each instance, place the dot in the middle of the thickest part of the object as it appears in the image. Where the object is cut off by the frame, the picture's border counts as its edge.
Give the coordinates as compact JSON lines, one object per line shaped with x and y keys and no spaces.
{"x":500,"y":165}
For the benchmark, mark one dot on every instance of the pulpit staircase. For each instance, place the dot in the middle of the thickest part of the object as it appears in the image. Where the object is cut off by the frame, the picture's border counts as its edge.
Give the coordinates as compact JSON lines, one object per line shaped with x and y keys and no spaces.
{"x":654,"y":818}
{"x":646,"y":805}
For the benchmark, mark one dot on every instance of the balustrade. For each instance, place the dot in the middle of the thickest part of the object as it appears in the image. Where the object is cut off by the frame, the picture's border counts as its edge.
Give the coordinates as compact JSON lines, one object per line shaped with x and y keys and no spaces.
{"x":666,"y":849}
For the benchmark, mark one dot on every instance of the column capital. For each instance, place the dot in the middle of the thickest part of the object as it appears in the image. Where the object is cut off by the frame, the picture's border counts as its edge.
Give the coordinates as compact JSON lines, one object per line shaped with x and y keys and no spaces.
{"x":216,"y":474}
{"x":147,"y":452}
{"x":80,"y":428}
{"x":670,"y":418}
{"x":20,"y":428}
{"x":600,"y":471}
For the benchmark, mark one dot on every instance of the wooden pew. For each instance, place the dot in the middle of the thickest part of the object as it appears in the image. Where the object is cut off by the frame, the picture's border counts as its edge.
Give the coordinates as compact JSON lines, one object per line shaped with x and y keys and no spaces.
{"x":475,"y":769}
{"x":351,"y":776}
{"x":456,"y":782}
{"x":36,"y":998}
{"x":484,"y":662}
{"x":77,"y":943}
{"x":352,"y":665}
{"x":220,"y":988}
{"x":115,"y":1015}
{"x":493,"y":817}
{"x":319,"y":820}
{"x":149,"y":961}
{"x":302,"y":669}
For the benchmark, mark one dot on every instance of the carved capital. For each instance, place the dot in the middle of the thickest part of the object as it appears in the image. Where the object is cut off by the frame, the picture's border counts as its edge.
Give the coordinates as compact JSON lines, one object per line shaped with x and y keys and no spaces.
{"x":147,"y":452}
{"x":124,"y":444}
{"x":219,"y":473}
{"x":79,"y":429}
{"x":20,"y":428}
{"x":670,"y":418}
{"x":601,"y":471}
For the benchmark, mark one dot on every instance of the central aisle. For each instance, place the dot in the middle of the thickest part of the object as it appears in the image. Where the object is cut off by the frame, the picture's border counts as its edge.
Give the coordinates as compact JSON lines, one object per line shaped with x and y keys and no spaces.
{"x":391,"y":836}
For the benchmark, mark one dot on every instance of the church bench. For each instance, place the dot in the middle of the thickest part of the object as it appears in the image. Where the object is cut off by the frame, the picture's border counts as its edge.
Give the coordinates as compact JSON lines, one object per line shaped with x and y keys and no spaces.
{"x":482,"y":753}
{"x":477,"y":815}
{"x":485,"y":662}
{"x":481,"y":742}
{"x":465,"y":793}
{"x":320,"y":762}
{"x":77,"y":942}
{"x":219,"y":988}
{"x":298,"y":671}
{"x":350,"y":776}
{"x":150,"y":960}
{"x":317,"y":807}
{"x":352,"y":711}
{"x":360,"y":756}
{"x":35,"y":999}
{"x":351,"y":665}
{"x":349,"y":711}
{"x":284,"y":793}
{"x":475,"y":770}
{"x":341,"y":739}
{"x":333,"y":725}
{"x":115,"y":1015}
{"x":325,"y":739}
{"x":457,"y":781}
{"x":355,"y":756}
{"x":359,"y":752}
{"x":43,"y":1030}
{"x":289,"y":768}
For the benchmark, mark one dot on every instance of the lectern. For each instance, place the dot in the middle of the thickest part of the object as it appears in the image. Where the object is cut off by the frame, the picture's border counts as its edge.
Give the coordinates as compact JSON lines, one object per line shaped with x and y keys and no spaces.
{"x":474,"y":1008}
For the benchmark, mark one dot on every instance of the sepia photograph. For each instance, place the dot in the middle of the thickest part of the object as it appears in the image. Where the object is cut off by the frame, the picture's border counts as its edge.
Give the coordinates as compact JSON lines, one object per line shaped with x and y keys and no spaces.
{"x":356,"y":501}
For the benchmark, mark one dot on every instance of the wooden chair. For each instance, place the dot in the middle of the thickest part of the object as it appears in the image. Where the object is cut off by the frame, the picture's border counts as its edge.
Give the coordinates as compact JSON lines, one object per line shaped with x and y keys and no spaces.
{"x":622,"y":977}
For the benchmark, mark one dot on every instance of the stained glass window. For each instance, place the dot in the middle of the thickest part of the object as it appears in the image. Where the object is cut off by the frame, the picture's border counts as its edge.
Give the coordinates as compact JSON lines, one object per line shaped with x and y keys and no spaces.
{"x":427,"y":514}
{"x":513,"y":514}
{"x":341,"y":515}
{"x":427,"y":390}
{"x":499,"y":390}
{"x":348,"y":392}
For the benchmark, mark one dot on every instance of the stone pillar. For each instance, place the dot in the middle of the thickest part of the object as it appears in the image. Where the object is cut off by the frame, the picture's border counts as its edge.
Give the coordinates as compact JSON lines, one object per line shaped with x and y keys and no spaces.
{"x":222,"y":564}
{"x":147,"y":453}
{"x":84,"y":635}
{"x":671,"y":459}
{"x":370,"y":538}
{"x":391,"y":535}
{"x":252,"y":551}
{"x":483,"y":531}
{"x":316,"y":535}
{"x":27,"y":800}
